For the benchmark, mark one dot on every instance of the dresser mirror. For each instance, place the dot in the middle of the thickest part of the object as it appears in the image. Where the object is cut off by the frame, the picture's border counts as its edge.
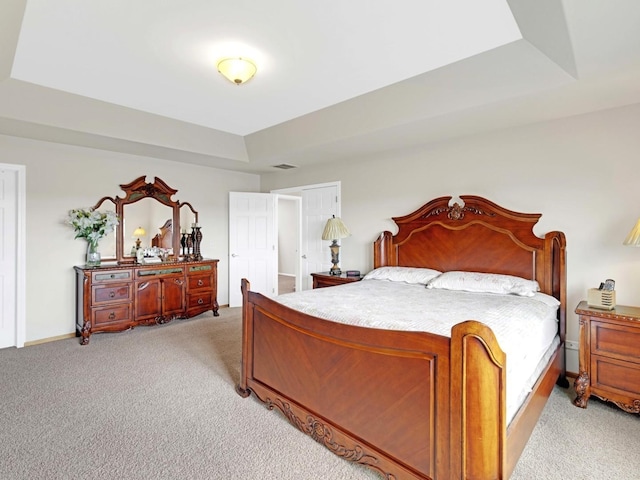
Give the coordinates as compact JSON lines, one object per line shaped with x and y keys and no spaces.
{"x":148,"y":217}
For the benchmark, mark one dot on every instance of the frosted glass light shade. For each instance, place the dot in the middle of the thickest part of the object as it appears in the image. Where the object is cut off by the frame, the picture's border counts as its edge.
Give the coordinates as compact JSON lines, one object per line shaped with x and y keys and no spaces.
{"x":633,"y":238}
{"x":237,"y":70}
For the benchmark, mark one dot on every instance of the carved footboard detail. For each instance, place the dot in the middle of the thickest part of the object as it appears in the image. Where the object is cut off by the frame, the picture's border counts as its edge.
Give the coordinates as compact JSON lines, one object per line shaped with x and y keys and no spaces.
{"x":324,"y":435}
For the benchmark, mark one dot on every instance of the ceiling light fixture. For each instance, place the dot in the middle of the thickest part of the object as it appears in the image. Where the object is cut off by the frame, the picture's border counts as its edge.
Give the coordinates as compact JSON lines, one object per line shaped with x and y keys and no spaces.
{"x":238,"y":70}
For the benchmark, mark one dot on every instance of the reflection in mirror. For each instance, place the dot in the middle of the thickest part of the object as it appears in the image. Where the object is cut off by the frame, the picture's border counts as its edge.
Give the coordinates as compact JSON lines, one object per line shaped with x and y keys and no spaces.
{"x":107,"y":246}
{"x":147,"y":213}
{"x":188,"y":216}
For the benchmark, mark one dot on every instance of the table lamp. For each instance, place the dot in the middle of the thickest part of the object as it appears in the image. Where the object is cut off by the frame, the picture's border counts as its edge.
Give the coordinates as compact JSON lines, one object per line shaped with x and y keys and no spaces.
{"x":334,"y":230}
{"x":633,"y":239}
{"x":137,"y":233}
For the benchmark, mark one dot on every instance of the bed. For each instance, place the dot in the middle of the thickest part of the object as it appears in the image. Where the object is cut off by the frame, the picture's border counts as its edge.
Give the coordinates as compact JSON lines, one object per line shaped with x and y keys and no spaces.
{"x":412,"y":404}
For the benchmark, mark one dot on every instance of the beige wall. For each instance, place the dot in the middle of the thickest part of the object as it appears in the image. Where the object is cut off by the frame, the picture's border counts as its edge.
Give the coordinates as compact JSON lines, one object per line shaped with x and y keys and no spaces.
{"x":581,"y":173}
{"x":62,"y":177}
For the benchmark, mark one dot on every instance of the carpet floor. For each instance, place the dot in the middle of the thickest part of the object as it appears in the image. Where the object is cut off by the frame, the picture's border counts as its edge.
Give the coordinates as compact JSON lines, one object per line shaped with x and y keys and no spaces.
{"x":159,"y":403}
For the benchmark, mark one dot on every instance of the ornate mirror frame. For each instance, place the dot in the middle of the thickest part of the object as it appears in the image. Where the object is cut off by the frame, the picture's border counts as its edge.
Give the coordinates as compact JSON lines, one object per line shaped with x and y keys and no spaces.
{"x":136,"y":191}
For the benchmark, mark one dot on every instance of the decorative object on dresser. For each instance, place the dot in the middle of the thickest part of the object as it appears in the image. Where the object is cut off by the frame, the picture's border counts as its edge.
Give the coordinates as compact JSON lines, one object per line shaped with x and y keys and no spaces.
{"x":92,"y":225}
{"x":609,"y":365}
{"x":161,"y":286}
{"x":328,"y":279}
{"x":414,"y":404}
{"x":334,"y":230}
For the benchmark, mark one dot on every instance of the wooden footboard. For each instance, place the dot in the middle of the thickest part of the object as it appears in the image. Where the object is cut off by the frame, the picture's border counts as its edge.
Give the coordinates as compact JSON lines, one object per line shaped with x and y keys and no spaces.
{"x":381,"y":398}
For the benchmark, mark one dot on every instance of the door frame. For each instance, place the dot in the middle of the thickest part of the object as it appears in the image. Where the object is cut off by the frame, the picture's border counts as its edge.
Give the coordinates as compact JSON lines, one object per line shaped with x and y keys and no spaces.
{"x":298,"y":190}
{"x":298,"y":240}
{"x":21,"y":257}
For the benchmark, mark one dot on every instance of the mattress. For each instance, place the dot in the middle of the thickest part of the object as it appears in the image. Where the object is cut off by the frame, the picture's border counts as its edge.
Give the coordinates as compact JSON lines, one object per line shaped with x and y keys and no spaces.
{"x":525,"y":327}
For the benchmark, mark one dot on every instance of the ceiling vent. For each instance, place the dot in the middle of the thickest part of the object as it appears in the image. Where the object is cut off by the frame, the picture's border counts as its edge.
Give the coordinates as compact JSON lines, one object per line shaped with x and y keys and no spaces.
{"x":284,"y":166}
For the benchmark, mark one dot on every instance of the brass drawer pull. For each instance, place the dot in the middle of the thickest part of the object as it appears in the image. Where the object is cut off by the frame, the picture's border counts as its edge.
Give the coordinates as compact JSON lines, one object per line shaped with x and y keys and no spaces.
{"x":200,"y":301}
{"x":200,"y":283}
{"x":112,"y":315}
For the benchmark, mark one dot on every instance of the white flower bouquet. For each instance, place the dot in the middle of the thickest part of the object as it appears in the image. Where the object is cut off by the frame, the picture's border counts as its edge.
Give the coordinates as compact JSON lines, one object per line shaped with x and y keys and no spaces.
{"x":91,"y":224}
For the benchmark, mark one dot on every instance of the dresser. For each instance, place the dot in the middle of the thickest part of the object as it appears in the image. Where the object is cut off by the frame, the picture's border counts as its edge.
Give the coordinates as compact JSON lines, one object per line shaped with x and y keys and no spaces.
{"x":113,"y":298}
{"x":609,"y":356}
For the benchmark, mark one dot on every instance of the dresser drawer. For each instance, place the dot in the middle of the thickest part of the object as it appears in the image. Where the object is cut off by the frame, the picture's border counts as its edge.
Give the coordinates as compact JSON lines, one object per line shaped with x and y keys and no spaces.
{"x":106,"y":276}
{"x":615,"y":375}
{"x":112,"y":314}
{"x":106,"y":294}
{"x":201,"y":281}
{"x":615,"y":341}
{"x":199,"y":300}
{"x":159,"y":271}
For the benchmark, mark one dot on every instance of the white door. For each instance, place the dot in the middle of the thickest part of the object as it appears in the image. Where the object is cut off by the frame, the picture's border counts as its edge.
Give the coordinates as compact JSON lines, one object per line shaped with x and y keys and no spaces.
{"x":253,"y":244}
{"x":318,"y":205}
{"x":8,"y":256}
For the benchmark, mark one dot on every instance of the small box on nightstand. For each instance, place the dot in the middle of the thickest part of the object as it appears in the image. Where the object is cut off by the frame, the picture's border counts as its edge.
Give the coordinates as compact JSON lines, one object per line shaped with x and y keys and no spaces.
{"x":602,"y":299}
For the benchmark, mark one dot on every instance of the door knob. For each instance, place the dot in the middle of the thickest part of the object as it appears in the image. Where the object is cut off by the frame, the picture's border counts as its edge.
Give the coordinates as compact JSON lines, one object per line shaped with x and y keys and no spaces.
{"x":304,"y":256}
{"x":234,"y":255}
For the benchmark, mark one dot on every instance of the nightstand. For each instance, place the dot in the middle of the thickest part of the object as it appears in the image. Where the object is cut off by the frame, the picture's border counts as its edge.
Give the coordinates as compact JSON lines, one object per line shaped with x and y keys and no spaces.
{"x":609,"y":356}
{"x":325,"y":279}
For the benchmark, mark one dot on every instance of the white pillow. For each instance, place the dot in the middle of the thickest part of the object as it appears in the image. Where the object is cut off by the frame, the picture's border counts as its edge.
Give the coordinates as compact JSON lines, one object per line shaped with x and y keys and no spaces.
{"x":402,"y":274}
{"x":485,"y":283}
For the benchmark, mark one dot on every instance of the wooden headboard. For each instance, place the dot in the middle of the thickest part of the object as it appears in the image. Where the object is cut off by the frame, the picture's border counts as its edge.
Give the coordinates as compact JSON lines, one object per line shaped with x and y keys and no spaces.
{"x":477,"y":236}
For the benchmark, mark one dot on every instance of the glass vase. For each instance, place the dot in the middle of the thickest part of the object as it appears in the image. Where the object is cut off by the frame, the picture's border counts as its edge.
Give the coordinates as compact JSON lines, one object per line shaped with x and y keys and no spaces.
{"x":93,"y":255}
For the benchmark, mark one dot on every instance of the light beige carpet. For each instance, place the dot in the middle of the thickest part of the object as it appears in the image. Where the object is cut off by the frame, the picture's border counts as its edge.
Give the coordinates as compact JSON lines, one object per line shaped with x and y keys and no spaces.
{"x":159,"y":403}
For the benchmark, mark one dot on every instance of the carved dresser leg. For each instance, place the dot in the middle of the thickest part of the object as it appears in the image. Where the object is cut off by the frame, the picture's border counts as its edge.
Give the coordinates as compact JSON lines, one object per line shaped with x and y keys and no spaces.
{"x":85,"y":333}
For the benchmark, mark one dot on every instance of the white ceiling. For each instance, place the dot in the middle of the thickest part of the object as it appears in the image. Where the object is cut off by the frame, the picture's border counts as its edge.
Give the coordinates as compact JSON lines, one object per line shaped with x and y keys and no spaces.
{"x":335,"y":79}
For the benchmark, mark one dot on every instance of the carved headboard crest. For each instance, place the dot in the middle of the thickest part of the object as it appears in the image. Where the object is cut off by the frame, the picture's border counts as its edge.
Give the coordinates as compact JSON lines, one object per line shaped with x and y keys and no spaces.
{"x":456,"y":212}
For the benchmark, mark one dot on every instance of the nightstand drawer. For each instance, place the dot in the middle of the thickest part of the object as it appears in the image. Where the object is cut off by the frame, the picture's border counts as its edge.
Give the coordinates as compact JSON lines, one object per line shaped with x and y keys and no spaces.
{"x":615,"y":341}
{"x":614,"y":375}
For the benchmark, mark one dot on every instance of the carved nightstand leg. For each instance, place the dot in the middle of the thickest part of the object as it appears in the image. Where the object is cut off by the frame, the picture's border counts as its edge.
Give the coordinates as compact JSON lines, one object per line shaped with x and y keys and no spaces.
{"x":581,"y":386}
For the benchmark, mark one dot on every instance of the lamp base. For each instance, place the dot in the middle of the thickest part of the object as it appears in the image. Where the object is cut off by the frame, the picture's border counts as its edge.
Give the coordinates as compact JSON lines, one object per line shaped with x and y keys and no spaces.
{"x":335,"y":258}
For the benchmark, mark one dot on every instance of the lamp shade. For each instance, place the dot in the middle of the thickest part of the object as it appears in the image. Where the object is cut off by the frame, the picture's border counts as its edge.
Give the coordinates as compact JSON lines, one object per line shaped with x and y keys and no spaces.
{"x":237,"y":70}
{"x":633,"y":238}
{"x":335,"y":229}
{"x":139,"y":232}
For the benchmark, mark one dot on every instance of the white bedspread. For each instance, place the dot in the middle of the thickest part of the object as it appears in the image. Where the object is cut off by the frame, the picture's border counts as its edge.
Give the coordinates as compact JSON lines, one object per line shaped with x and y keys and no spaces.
{"x":525,"y":327}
